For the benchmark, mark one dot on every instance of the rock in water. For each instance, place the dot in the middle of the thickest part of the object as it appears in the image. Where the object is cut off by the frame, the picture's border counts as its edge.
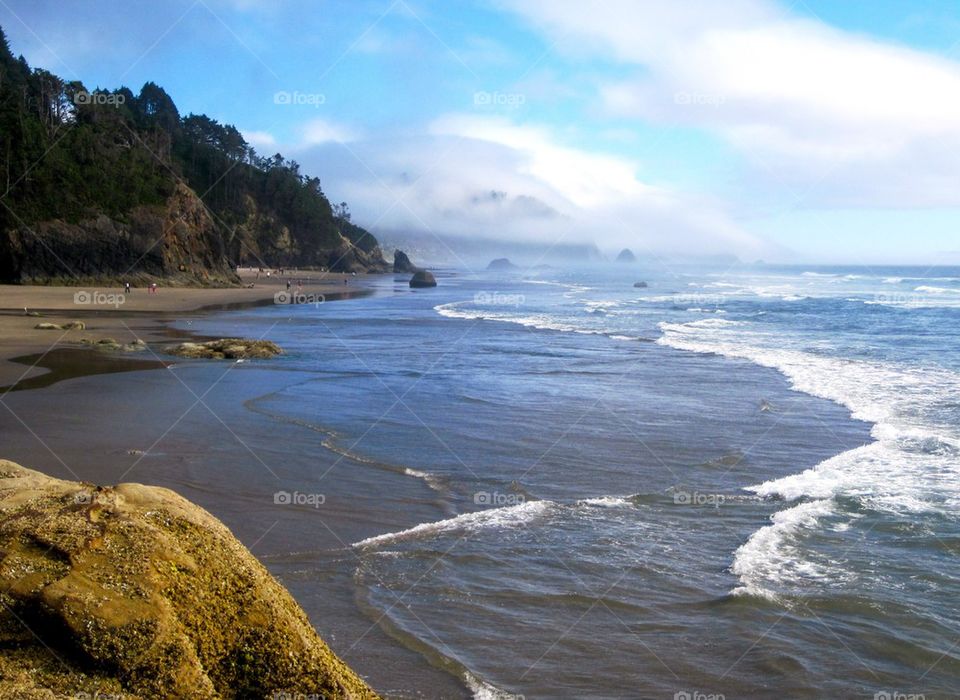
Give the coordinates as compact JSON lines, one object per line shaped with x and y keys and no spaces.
{"x":626,"y":256}
{"x":423,"y":278}
{"x":501,"y":265}
{"x":402,"y":263}
{"x":640,"y":285}
{"x":133,"y":591}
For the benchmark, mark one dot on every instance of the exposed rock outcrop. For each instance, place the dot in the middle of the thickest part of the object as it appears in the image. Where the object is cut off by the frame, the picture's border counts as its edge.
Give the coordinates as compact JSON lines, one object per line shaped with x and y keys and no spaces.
{"x":178,"y":242}
{"x":132,"y":591}
{"x":626,"y":256}
{"x":423,"y":279}
{"x":501,"y":265}
{"x":227,"y":349}
{"x":402,"y":263}
{"x":640,"y":285}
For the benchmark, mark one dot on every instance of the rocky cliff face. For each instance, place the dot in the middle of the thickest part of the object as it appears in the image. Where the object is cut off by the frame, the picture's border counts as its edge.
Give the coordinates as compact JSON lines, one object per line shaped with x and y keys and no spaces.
{"x":262,"y":237}
{"x":178,"y":242}
{"x":133,"y":591}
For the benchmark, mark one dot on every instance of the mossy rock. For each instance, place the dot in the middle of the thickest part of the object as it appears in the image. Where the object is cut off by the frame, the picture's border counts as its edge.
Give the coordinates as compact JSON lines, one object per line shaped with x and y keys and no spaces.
{"x":227,"y":349}
{"x":135,"y":592}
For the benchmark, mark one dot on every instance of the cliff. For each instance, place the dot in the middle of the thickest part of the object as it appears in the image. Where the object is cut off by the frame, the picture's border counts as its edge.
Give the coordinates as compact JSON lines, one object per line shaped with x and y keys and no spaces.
{"x":177,"y":241}
{"x":111,"y":186}
{"x":133,"y":591}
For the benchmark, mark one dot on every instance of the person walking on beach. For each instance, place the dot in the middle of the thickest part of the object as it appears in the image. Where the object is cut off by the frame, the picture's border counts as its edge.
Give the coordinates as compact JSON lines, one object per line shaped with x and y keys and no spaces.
{"x":126,"y":287}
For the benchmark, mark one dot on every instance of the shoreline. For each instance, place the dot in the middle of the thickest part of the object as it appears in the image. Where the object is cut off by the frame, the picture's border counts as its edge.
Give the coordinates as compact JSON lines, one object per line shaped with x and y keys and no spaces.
{"x":33,"y":358}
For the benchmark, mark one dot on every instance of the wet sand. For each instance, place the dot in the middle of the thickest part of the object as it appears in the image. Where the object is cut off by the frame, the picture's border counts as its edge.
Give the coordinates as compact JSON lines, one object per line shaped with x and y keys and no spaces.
{"x":27,"y":354}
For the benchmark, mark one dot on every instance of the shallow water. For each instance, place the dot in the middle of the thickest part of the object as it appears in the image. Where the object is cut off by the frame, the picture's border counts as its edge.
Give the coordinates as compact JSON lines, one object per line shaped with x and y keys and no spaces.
{"x":557,"y":485}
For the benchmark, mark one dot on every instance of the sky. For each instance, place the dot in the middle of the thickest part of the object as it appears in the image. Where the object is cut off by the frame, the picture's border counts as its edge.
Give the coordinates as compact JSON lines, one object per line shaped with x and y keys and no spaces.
{"x":806,"y":131}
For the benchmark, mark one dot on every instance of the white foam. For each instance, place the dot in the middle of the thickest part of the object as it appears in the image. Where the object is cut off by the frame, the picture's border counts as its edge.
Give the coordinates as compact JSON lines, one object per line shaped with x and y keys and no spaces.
{"x":927,"y":289}
{"x":605,"y":502}
{"x":912,"y":467}
{"x":486,"y":691}
{"x":507,"y":516}
{"x":772,"y":557}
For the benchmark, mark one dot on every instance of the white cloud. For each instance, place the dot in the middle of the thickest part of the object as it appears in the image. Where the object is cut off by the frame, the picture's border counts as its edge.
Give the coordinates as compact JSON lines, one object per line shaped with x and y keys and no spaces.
{"x":322,"y":131}
{"x":260,"y":139}
{"x":488,"y":177}
{"x":796,"y":97}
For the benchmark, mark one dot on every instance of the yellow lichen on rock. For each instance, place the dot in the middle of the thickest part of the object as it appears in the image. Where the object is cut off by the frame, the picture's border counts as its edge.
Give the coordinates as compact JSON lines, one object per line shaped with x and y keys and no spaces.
{"x":133,"y":591}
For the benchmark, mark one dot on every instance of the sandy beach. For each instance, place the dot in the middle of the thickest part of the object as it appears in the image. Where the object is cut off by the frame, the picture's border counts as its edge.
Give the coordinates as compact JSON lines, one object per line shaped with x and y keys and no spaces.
{"x":110,"y":313}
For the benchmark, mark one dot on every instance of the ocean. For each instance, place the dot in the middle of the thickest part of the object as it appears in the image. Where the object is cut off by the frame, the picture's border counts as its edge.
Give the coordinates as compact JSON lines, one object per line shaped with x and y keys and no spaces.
{"x":737,"y":483}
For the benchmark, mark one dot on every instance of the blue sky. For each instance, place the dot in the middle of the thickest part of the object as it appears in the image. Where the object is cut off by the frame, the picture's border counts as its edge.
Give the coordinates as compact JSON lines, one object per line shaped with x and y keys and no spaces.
{"x":810,"y":131}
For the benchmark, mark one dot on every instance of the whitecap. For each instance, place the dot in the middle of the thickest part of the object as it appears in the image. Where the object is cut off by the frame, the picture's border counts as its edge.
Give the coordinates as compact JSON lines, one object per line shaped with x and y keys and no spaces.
{"x":505,"y":517}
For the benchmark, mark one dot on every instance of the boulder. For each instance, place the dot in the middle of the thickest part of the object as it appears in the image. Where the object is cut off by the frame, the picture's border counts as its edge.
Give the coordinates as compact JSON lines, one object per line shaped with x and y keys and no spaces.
{"x":69,"y":326}
{"x":402,"y":264}
{"x":132,"y":591}
{"x":423,"y":278}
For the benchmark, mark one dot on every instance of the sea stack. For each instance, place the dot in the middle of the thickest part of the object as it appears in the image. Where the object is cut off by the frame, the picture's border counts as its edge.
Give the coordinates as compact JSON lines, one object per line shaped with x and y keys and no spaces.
{"x":402,"y":263}
{"x":626,"y":256}
{"x":501,"y":265}
{"x":423,"y":278}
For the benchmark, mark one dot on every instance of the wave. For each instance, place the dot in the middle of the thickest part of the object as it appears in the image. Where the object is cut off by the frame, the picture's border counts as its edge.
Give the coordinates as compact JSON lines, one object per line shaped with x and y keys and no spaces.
{"x":504,"y":517}
{"x":912,"y":466}
{"x":482,"y":690}
{"x":927,"y":289}
{"x":772,"y":556}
